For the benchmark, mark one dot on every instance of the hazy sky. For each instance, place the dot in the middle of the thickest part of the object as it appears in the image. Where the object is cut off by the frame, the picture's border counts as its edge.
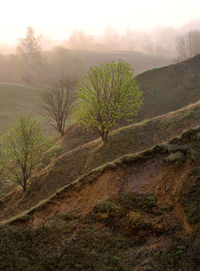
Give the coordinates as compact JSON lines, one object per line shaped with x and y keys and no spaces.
{"x":58,"y":18}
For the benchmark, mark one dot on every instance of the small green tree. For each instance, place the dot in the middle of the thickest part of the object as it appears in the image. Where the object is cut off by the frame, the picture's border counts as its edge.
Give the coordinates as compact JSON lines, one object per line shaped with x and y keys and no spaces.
{"x":22,"y":149}
{"x":107,"y":94}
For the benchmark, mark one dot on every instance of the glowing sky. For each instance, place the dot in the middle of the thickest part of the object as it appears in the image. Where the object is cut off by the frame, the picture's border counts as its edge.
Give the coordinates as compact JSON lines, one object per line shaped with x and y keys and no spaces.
{"x":58,"y":18}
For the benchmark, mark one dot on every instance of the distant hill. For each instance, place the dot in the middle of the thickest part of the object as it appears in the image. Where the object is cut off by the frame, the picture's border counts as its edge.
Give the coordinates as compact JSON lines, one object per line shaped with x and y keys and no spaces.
{"x":138,"y":60}
{"x":19,"y":98}
{"x":170,"y":88}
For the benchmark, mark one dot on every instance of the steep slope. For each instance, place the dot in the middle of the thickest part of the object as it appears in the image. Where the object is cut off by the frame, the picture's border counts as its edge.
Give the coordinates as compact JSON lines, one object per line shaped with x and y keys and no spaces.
{"x":141,"y":134}
{"x":139,"y":213}
{"x":170,"y":88}
{"x":78,"y":161}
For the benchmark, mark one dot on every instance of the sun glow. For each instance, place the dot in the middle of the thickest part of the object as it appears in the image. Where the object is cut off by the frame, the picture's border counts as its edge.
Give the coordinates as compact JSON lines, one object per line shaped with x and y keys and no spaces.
{"x":59,"y":18}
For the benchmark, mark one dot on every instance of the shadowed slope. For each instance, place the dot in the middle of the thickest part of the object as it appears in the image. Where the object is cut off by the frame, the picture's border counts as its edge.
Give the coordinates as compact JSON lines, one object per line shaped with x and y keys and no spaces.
{"x":170,"y":88}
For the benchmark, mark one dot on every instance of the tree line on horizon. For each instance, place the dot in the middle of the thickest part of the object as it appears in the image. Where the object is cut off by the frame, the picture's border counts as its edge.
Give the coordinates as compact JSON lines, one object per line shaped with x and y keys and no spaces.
{"x":33,"y":66}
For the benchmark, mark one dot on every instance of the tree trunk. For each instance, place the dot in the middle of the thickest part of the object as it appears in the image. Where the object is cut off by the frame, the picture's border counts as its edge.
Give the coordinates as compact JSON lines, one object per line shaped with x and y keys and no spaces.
{"x":104,"y":136}
{"x":24,"y":179}
{"x":62,"y":132}
{"x":24,"y":185}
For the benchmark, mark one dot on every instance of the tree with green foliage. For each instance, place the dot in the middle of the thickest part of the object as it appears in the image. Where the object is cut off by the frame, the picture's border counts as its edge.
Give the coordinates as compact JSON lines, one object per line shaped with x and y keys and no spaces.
{"x":107,"y":94}
{"x":23,"y":147}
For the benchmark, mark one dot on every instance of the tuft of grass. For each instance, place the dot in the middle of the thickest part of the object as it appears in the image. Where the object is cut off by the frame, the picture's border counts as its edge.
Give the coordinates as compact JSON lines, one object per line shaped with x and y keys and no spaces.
{"x":178,"y":158}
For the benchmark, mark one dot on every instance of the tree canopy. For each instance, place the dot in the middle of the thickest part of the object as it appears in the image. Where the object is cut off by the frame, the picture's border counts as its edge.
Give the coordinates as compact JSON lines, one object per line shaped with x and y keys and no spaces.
{"x":107,"y":94}
{"x":23,"y":147}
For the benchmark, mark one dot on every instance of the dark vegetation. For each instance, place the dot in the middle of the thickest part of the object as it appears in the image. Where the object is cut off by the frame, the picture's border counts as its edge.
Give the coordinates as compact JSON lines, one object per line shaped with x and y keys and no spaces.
{"x":111,"y":238}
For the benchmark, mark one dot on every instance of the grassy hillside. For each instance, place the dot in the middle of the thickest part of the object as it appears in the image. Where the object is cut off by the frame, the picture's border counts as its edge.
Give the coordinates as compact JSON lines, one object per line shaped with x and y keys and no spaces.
{"x":170,"y":88}
{"x":140,"y":135}
{"x":79,"y":160}
{"x":139,"y":213}
{"x":16,"y":99}
{"x":165,"y":89}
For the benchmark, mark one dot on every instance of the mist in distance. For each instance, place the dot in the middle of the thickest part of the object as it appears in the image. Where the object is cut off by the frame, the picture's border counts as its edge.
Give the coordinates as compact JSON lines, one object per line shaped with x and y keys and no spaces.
{"x":162,"y":39}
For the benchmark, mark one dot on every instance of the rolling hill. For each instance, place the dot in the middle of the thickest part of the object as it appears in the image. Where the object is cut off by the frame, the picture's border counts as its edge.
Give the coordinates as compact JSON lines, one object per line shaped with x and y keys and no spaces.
{"x":140,"y":61}
{"x":170,"y":88}
{"x":16,"y":99}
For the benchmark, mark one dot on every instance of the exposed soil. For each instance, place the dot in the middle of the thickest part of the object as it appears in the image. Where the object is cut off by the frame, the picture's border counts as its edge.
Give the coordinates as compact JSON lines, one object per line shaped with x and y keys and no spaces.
{"x":150,"y":177}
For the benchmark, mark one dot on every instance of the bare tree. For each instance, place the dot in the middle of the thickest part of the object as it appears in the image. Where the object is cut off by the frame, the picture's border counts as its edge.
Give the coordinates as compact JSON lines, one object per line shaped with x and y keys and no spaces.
{"x":181,"y":48}
{"x":194,"y":42}
{"x":188,"y":45}
{"x":58,"y":103}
